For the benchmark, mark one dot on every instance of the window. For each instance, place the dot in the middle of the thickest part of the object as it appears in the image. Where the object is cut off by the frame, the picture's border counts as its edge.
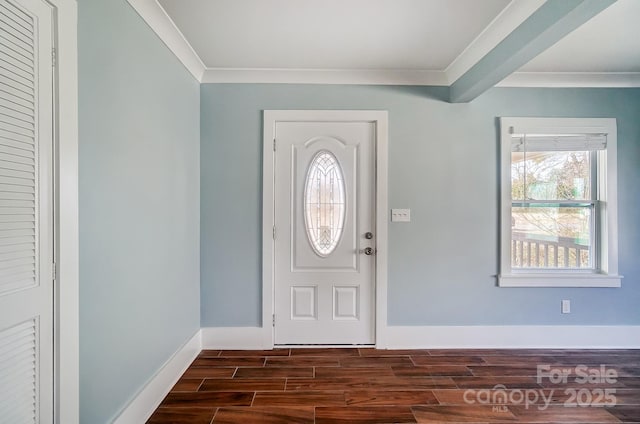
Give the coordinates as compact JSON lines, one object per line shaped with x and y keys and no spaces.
{"x":324,"y":203}
{"x":558,"y":203}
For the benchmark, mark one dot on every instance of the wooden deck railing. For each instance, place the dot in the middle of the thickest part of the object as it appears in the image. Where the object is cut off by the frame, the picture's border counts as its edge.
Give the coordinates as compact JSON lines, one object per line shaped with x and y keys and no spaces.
{"x":529,"y":252}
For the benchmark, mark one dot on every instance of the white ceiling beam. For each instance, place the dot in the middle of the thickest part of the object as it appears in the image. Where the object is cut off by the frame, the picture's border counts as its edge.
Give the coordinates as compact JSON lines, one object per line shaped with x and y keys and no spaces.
{"x":546,"y":26}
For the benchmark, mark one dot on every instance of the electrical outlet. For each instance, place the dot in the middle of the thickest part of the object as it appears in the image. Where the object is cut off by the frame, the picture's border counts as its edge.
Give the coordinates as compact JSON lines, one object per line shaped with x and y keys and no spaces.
{"x":566,"y":306}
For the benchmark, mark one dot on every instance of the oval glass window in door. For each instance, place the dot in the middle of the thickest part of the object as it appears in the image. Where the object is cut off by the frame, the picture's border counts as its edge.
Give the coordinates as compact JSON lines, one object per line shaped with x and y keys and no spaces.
{"x":324,"y":203}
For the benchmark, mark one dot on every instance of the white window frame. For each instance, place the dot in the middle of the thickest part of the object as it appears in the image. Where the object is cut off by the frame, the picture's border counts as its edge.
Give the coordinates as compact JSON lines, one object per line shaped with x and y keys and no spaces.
{"x":605,"y":272}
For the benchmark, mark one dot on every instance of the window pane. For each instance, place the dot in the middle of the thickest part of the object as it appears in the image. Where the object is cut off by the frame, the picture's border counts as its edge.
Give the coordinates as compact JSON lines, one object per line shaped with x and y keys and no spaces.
{"x":550,"y":175}
{"x":551,"y":236}
{"x":324,"y":203}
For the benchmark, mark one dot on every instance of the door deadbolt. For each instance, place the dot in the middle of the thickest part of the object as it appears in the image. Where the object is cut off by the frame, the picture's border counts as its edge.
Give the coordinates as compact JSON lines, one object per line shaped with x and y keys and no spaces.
{"x":368,"y":235}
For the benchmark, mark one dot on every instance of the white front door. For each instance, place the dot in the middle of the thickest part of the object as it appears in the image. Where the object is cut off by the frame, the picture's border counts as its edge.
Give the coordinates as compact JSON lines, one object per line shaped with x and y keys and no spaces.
{"x":324,"y":248}
{"x":26,"y":218}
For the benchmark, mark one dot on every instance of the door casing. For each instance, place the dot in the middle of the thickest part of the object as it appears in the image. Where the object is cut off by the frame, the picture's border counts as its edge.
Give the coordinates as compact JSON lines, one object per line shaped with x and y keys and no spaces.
{"x":380,"y":119}
{"x":66,"y":290}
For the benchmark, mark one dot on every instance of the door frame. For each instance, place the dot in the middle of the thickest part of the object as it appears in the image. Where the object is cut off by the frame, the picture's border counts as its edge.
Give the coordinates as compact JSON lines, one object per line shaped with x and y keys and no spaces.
{"x":380,"y":120}
{"x":66,"y":288}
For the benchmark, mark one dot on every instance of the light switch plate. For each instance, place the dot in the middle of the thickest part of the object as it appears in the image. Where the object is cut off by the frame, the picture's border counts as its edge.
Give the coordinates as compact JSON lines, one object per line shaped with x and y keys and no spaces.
{"x":401,"y":215}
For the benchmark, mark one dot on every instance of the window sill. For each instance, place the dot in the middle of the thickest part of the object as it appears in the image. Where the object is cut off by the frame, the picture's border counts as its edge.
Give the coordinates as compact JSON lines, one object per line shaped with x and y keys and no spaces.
{"x":559,"y":280}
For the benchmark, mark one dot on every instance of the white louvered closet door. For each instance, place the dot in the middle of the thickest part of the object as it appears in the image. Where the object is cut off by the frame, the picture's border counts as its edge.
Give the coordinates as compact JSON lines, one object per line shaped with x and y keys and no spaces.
{"x":26,"y":218}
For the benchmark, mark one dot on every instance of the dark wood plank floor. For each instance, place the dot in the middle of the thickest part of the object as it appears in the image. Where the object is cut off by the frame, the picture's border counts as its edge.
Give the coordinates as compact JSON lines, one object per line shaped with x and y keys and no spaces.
{"x":365,"y":386}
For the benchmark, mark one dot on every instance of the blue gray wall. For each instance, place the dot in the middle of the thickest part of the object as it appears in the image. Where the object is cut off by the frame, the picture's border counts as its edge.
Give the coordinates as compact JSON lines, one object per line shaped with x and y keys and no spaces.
{"x":443,"y":164}
{"x":139,"y":206}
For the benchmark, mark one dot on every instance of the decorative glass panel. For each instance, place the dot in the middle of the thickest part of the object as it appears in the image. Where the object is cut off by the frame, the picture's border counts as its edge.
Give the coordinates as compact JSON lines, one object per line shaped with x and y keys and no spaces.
{"x":324,"y":203}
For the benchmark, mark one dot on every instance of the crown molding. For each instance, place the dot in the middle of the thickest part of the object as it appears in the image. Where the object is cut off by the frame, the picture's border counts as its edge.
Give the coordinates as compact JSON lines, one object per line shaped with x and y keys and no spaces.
{"x":510,"y":18}
{"x":514,"y":14}
{"x":325,"y":76}
{"x":572,"y":79}
{"x":157,"y":18}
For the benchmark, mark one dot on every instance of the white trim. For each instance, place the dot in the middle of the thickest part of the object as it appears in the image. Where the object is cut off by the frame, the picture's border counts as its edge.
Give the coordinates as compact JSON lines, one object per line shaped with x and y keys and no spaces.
{"x":325,"y":76}
{"x":606,"y":235}
{"x":461,"y":337}
{"x":382,"y":228}
{"x":571,"y":79}
{"x":515,"y":336}
{"x":543,"y":280}
{"x":502,"y":25}
{"x":67,"y":380}
{"x":235,"y":338}
{"x":268,"y":219}
{"x":150,"y":396}
{"x":514,"y":14}
{"x":157,"y":18}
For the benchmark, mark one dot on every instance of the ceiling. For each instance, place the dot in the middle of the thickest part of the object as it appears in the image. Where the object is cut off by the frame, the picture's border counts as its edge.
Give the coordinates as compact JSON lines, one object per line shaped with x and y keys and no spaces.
{"x":332,"y":34}
{"x":425,"y":42}
{"x":609,"y":42}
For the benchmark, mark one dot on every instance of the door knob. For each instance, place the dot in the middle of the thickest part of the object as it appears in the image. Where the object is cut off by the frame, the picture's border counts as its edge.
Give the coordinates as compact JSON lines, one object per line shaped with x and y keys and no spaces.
{"x":368,"y":251}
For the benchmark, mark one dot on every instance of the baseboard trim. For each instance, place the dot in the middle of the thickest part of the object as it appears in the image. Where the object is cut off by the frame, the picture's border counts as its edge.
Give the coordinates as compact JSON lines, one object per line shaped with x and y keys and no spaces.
{"x":458,"y":337}
{"x":517,"y":336}
{"x":238,"y":338}
{"x":396,"y":337}
{"x":150,"y":396}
